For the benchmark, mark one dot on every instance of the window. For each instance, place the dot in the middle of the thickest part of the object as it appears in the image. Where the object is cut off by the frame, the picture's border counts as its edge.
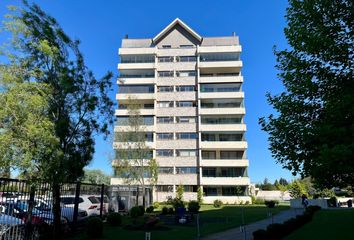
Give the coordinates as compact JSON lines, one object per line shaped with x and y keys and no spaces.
{"x":186,"y":119}
{"x":165,"y":170}
{"x":209,"y":172}
{"x":186,"y":135}
{"x":136,"y":89}
{"x":215,"y":57}
{"x":186,"y":46}
{"x":164,"y":104}
{"x":165,"y":89}
{"x":164,"y":188}
{"x":185,"y":88}
{"x":208,"y":137}
{"x":190,"y":188}
{"x":231,"y":154}
{"x":186,"y":170}
{"x":186,"y":153}
{"x":166,"y":46}
{"x":165,"y":74}
{"x":137,"y":59}
{"x":208,"y":154}
{"x":220,"y":87}
{"x":221,"y":120}
{"x":164,"y":153}
{"x":185,"y":104}
{"x":186,"y":73}
{"x":230,"y":137}
{"x":164,"y":119}
{"x":133,"y":154}
{"x":234,"y":191}
{"x":186,"y":59}
{"x":164,"y":136}
{"x":165,"y":59}
{"x":210,"y":191}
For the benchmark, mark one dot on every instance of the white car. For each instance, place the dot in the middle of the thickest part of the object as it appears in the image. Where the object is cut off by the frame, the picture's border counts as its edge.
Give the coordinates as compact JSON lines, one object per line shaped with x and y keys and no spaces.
{"x":89,"y":203}
{"x":105,"y":203}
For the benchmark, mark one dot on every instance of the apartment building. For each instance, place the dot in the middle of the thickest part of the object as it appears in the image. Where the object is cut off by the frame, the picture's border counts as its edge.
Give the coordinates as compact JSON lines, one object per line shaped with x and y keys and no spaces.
{"x":189,"y":88}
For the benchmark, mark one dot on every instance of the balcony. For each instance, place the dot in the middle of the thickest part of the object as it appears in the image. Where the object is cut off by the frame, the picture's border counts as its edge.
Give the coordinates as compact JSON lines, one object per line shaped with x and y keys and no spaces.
{"x":224,"y":145}
{"x":220,"y":95}
{"x":218,"y":49}
{"x":186,"y":179}
{"x":125,"y":112}
{"x":210,"y":78}
{"x":136,"y":96}
{"x":134,"y":51}
{"x":224,"y":163}
{"x":227,"y":181}
{"x":223,"y":127}
{"x":222,"y":111}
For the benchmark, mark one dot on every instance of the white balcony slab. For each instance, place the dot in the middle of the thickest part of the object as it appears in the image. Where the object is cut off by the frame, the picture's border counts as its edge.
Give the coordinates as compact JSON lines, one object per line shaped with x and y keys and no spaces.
{"x":224,"y":145}
{"x":225,"y":181}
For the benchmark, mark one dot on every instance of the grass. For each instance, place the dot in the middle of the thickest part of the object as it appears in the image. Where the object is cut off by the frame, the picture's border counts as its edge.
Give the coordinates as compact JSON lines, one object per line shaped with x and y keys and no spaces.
{"x":212,"y":220}
{"x":327,"y":224}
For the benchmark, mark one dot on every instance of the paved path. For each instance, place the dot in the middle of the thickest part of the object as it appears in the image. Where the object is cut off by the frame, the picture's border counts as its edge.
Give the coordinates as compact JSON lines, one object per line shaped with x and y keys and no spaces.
{"x":236,"y":234}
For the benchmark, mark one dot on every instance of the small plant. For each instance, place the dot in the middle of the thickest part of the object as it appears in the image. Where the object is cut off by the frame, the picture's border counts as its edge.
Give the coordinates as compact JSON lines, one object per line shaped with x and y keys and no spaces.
{"x":137,"y":211}
{"x":332,"y":202}
{"x":253,"y":199}
{"x":156,"y":205}
{"x":179,"y":194}
{"x":164,"y":211}
{"x":247,"y":202}
{"x":177,"y":203}
{"x":258,"y":201}
{"x":200,"y":195}
{"x":193,"y":206}
{"x":114,"y":219}
{"x":271,"y":203}
{"x":94,"y":228}
{"x":217,"y":203}
{"x":241,"y":202}
{"x":171,"y":211}
{"x":150,"y":209}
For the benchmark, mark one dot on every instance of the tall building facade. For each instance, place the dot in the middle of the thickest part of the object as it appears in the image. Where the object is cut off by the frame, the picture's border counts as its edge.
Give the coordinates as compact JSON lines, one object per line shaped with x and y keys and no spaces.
{"x":190,"y":92}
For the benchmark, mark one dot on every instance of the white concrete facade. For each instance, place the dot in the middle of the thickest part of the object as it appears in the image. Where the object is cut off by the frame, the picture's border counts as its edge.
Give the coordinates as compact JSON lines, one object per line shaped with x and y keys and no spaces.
{"x":191,"y":89}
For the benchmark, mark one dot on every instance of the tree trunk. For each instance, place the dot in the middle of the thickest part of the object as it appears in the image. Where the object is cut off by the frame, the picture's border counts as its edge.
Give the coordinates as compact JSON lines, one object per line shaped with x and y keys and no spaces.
{"x":144,"y":195}
{"x":57,"y":212}
{"x":137,"y":196}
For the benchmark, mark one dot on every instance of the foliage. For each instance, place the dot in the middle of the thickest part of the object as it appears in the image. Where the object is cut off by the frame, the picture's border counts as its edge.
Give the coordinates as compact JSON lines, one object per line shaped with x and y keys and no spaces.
{"x":171,"y":211}
{"x":114,"y":219}
{"x":176,"y":203}
{"x":164,"y":210}
{"x":193,"y":206}
{"x":137,"y":211}
{"x":258,"y":201}
{"x":297,"y":189}
{"x":324,"y":193}
{"x":332,"y":202}
{"x":94,"y":228}
{"x":217,"y":203}
{"x":179,"y":192}
{"x":200,"y":195}
{"x":150,"y":209}
{"x":156,"y":205}
{"x":312,"y":132}
{"x":96,"y":176}
{"x":271,"y":203}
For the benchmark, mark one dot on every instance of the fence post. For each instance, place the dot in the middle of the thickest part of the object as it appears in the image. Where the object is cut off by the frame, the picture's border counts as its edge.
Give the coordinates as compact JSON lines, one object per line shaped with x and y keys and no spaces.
{"x":28,"y":227}
{"x":76,"y":204}
{"x":101,"y":202}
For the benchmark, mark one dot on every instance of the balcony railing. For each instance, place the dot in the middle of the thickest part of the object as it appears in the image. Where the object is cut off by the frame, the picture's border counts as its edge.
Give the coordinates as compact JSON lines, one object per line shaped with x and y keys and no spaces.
{"x":137,"y":76}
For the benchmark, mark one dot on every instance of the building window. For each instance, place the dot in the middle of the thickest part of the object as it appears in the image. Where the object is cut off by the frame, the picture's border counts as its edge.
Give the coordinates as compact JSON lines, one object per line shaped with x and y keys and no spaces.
{"x":166,"y":46}
{"x":208,"y":154}
{"x":231,"y":154}
{"x":186,"y":170}
{"x":186,"y":153}
{"x":165,"y":170}
{"x":220,"y":87}
{"x":165,"y":74}
{"x":164,"y":104}
{"x":137,"y":59}
{"x":165,"y":59}
{"x":165,"y":89}
{"x":209,"y":172}
{"x":186,"y":135}
{"x":185,"y":88}
{"x":133,"y":154}
{"x":186,"y":46}
{"x":186,"y":59}
{"x":136,"y":89}
{"x":190,"y":188}
{"x":186,"y":119}
{"x":164,"y":153}
{"x":221,"y":120}
{"x":185,"y":104}
{"x":164,"y":119}
{"x":210,"y":191}
{"x":186,"y":73}
{"x":164,"y":188}
{"x":164,"y":136}
{"x":233,"y":191}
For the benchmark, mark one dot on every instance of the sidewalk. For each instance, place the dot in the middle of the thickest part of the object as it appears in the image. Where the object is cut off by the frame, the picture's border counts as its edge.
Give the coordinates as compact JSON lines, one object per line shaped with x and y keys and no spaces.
{"x":236,"y":234}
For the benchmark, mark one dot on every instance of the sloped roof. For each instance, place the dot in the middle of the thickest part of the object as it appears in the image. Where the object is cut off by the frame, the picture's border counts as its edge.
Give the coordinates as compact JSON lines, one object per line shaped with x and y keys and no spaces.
{"x":174,"y":23}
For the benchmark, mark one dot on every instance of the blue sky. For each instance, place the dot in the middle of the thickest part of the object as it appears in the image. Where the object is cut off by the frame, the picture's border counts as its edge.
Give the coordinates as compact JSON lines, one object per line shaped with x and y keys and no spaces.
{"x":100,"y":25}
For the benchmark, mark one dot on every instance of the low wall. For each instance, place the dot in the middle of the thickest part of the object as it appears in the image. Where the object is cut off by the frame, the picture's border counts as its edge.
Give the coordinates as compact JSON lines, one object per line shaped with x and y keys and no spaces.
{"x":297,"y":203}
{"x":164,"y":196}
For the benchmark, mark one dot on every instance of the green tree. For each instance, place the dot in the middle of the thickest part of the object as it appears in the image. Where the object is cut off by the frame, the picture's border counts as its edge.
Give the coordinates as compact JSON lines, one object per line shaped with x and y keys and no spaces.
{"x":200,"y":195}
{"x":312,"y":133}
{"x":134,"y":162}
{"x":78,"y":105}
{"x":297,"y":189}
{"x":179,"y":192}
{"x":96,"y":176}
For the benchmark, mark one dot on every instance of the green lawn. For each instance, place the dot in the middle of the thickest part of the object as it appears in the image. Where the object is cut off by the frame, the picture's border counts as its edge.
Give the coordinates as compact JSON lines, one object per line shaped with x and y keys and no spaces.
{"x":212,"y":220}
{"x":327,"y":224}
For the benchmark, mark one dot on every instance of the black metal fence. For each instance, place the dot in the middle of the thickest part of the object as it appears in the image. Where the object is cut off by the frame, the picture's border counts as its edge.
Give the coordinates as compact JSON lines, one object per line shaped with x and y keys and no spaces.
{"x":26,"y":210}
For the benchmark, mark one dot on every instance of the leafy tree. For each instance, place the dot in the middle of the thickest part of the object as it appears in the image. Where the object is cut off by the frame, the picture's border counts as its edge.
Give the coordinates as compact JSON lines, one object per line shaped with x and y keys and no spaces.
{"x":96,"y":176}
{"x":179,"y":192}
{"x":200,"y":195}
{"x":313,"y":132}
{"x":134,"y":162}
{"x":297,"y":189}
{"x":283,"y":181}
{"x":77,"y":104}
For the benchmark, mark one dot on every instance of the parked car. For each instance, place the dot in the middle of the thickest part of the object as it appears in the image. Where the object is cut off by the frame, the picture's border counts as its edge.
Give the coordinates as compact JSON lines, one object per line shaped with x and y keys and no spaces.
{"x":89,"y":203}
{"x":10,"y":224}
{"x":105,"y":203}
{"x":66,"y":212}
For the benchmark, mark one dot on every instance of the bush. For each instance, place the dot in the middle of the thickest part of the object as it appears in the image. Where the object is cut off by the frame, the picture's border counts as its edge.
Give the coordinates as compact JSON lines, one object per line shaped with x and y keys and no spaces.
{"x":217,"y":203}
{"x":260,"y":235}
{"x":171,"y":211}
{"x":258,"y":201}
{"x":247,"y":202}
{"x":94,"y":228}
{"x":114,"y":219}
{"x":253,"y":199}
{"x":193,"y":206}
{"x":164,"y":211}
{"x":332,"y":202}
{"x":271,"y":203}
{"x":177,"y":203}
{"x":137,"y":211}
{"x":156,"y":205}
{"x":150,"y":209}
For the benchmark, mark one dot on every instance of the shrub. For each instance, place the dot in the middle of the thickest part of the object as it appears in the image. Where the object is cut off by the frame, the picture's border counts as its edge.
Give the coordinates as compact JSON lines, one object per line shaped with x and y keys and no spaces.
{"x":137,"y":211}
{"x":177,"y":203}
{"x":253,"y":199}
{"x":114,"y":219}
{"x":271,"y":203}
{"x":258,"y":201}
{"x":156,"y":205}
{"x":260,"y":234}
{"x":179,"y":193}
{"x":247,"y":202}
{"x":193,"y":206}
{"x":241,"y":202}
{"x":171,"y":211}
{"x":332,"y":202}
{"x":94,"y":228}
{"x":217,"y":203}
{"x":164,"y":211}
{"x":150,"y":209}
{"x":200,"y":195}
